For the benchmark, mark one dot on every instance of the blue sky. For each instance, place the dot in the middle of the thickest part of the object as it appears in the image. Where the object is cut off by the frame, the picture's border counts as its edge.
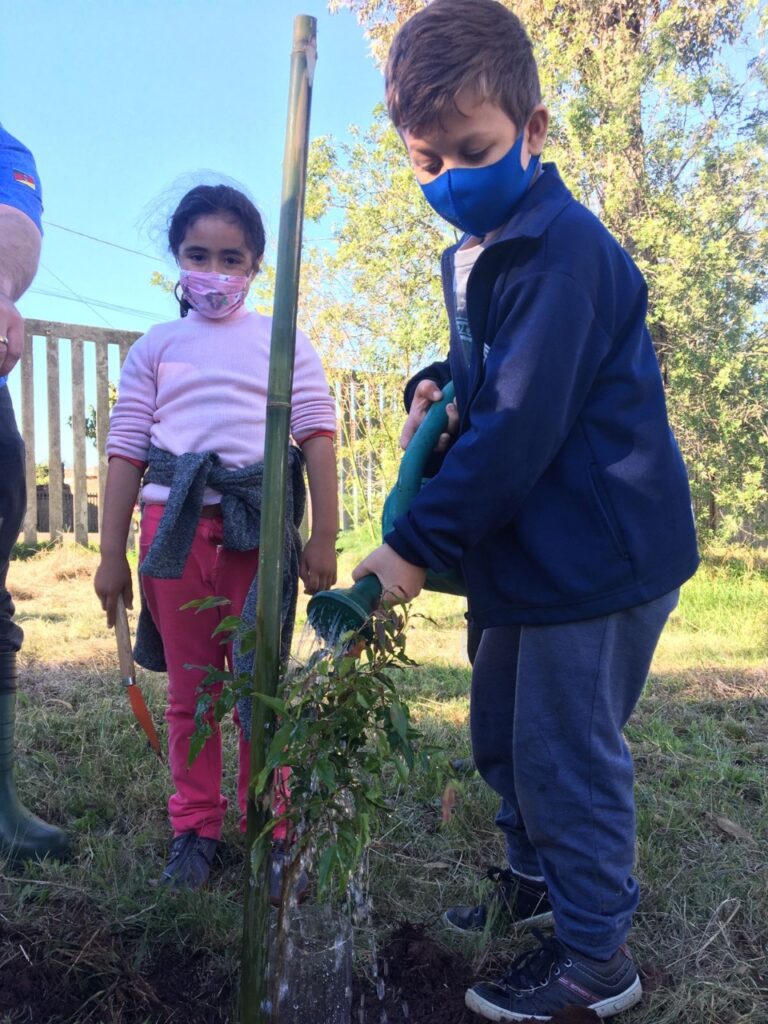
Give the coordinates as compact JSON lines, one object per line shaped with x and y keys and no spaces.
{"x":117,"y":100}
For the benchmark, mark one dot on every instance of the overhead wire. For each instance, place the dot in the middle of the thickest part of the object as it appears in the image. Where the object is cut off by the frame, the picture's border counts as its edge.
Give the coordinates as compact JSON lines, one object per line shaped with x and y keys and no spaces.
{"x":145,"y":314}
{"x":77,"y":296}
{"x":89,"y":302}
{"x":104,"y":241}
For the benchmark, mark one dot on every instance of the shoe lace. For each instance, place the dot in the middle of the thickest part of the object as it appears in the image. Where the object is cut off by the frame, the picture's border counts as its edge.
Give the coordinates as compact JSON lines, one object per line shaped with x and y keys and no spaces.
{"x":499,"y":875}
{"x":534,"y":967}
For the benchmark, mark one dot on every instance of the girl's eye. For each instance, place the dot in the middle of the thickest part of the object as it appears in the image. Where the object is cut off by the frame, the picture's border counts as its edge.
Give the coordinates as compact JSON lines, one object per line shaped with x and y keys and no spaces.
{"x":474,"y":158}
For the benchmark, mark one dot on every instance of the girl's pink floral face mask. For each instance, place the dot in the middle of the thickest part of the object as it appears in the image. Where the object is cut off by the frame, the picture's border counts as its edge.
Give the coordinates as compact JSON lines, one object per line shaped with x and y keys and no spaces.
{"x":213,"y":295}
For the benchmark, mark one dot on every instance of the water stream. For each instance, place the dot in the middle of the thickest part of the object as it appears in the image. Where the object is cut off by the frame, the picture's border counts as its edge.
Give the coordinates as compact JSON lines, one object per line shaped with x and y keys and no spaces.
{"x":312,"y":945}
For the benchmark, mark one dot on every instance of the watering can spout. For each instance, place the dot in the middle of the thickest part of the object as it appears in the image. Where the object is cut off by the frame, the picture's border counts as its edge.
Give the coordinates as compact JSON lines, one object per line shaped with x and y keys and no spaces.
{"x":332,"y":613}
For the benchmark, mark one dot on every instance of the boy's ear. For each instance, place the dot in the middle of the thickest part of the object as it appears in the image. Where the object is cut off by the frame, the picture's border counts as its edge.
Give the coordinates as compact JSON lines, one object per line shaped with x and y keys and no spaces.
{"x":536,"y":129}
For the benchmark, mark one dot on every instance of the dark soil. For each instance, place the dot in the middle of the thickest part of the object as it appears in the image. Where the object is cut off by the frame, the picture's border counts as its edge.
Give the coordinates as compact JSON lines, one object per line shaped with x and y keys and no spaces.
{"x":425,"y":984}
{"x":99,"y":977}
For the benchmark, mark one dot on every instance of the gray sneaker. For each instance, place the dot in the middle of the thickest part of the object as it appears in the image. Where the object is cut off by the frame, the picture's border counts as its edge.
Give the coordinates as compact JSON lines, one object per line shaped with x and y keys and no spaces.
{"x":189,"y":861}
{"x":552,"y":976}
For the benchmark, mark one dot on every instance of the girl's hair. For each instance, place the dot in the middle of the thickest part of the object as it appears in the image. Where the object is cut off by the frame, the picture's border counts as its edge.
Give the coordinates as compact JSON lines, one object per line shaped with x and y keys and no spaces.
{"x":207,"y":199}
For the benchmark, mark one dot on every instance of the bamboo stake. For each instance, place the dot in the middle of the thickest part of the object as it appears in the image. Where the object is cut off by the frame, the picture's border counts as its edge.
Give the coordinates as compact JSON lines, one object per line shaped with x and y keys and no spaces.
{"x":254,"y":984}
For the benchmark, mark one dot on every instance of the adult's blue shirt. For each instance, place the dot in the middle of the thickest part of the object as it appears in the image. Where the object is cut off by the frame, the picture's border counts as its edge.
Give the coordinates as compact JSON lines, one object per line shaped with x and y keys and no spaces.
{"x":19,"y":183}
{"x":564,"y":496}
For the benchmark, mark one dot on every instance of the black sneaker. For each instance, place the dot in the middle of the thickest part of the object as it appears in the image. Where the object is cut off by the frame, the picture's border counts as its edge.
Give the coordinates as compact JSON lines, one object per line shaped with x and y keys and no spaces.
{"x":552,"y":976}
{"x":189,"y":861}
{"x":278,"y":858}
{"x":523,"y":900}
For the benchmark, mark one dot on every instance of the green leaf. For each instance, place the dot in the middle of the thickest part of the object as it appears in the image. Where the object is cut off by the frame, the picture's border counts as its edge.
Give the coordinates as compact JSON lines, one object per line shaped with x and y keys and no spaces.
{"x":228,"y":624}
{"x":202,"y":604}
{"x":326,"y":865}
{"x":275,"y":703}
{"x":399,"y":720}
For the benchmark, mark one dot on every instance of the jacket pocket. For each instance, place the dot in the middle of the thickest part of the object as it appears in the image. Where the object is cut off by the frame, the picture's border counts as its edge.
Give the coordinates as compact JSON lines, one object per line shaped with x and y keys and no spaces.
{"x":605,"y":509}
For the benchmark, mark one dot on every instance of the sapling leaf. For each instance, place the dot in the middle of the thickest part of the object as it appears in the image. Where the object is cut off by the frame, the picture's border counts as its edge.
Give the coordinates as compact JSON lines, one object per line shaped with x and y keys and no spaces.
{"x":227,"y":625}
{"x":202,"y":604}
{"x":399,"y":720}
{"x":275,"y":703}
{"x":325,"y":867}
{"x":343,"y":732}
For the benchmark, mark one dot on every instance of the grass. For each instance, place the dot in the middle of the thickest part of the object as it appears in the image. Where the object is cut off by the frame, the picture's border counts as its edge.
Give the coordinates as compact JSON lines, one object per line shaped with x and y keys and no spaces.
{"x":93,"y":941}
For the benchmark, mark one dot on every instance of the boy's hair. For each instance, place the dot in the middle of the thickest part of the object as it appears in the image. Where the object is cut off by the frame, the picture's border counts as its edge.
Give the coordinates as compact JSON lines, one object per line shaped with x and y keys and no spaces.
{"x":207,"y":199}
{"x":452,"y":45}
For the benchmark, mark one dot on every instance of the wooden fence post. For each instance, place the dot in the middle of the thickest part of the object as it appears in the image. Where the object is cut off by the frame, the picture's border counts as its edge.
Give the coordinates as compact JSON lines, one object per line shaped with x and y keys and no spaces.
{"x":80,"y":500}
{"x":55,"y":469}
{"x":28,"y":433}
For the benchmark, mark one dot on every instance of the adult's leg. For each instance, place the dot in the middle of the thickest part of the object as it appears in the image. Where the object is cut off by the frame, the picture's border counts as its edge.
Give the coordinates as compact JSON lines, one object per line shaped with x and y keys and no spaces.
{"x":13,"y":503}
{"x":22,"y":834}
{"x":577,"y":685}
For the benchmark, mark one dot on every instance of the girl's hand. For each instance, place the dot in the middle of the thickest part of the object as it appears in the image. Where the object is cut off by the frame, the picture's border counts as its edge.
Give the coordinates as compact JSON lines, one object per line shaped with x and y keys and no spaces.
{"x":318,"y":564}
{"x":113,"y":577}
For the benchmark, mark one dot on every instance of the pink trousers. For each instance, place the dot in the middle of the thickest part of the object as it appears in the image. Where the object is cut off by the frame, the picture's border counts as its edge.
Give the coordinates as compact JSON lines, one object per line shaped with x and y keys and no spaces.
{"x":210,"y":570}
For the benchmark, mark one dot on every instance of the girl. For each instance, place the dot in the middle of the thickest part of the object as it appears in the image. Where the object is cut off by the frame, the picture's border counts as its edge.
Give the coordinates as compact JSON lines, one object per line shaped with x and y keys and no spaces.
{"x":190,"y":420}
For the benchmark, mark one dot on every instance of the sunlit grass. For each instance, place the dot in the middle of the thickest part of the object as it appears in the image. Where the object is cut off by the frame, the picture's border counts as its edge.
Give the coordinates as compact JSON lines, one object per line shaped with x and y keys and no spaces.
{"x":699,"y":739}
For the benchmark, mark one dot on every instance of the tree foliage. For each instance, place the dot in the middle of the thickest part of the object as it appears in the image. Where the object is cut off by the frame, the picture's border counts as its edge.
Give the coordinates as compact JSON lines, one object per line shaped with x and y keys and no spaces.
{"x":372,"y":301}
{"x":659,"y":126}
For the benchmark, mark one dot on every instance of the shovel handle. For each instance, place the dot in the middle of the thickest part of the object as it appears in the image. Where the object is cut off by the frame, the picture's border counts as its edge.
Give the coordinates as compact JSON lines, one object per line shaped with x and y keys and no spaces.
{"x":124,"y":647}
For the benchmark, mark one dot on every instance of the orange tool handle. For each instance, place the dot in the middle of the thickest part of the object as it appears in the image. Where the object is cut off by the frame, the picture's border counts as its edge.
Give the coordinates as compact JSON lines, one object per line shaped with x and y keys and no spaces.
{"x":128,"y":675}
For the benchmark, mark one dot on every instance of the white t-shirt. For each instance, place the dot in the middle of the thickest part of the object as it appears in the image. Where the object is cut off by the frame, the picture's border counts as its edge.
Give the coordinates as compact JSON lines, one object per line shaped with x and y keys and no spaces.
{"x":464,"y":260}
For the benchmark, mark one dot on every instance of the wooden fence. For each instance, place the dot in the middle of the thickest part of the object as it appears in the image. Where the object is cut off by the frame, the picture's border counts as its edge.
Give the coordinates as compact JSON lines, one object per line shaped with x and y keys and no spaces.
{"x":369,"y":415}
{"x":77,"y":336}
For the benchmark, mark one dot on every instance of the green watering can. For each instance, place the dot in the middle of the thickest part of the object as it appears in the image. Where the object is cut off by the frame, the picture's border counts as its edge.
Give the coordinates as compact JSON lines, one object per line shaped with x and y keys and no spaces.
{"x":331,"y":613}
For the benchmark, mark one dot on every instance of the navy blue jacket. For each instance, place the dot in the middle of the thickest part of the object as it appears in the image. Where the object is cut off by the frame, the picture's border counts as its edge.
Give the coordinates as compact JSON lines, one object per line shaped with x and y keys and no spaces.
{"x":564,"y":496}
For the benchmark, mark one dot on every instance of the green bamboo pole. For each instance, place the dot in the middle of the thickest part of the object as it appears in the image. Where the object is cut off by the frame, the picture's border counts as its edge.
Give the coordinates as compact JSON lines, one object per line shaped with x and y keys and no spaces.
{"x":254,"y":984}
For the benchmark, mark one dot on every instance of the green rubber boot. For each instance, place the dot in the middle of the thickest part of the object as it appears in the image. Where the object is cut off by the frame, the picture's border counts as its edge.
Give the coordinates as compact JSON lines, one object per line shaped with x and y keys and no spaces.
{"x":23,"y":836}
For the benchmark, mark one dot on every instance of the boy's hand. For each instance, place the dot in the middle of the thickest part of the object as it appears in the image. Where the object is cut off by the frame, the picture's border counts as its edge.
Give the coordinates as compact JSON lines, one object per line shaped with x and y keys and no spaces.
{"x":425,"y":395}
{"x":318,"y":564}
{"x":113,"y":577}
{"x":401,"y":581}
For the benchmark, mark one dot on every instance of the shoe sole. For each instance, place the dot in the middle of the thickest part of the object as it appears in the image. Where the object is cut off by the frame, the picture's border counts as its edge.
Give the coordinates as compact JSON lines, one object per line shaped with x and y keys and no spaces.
{"x":525,"y":923}
{"x":605,"y":1008}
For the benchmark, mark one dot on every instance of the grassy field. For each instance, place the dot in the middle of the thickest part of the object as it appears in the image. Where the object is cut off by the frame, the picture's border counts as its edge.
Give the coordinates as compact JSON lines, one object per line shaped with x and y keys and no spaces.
{"x":93,"y":941}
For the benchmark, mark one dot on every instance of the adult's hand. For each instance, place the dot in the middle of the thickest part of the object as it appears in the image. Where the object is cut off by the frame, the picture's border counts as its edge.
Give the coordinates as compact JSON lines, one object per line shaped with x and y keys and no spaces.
{"x":424,"y":397}
{"x":11,"y":336}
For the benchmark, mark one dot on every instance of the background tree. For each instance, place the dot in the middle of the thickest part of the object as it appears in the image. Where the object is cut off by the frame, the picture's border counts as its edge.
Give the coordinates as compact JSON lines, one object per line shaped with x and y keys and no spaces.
{"x":659,"y":126}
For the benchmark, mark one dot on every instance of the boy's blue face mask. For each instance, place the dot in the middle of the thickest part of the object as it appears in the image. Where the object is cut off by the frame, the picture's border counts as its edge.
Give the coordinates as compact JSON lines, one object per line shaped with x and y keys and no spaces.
{"x":479,"y":199}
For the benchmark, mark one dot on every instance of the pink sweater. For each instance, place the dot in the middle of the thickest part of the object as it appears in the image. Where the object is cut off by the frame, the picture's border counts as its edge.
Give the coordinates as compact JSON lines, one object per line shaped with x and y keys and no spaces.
{"x":197,"y":385}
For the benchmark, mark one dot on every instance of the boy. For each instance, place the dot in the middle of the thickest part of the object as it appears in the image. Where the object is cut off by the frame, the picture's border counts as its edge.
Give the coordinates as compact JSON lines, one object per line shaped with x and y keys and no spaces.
{"x":563,"y":495}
